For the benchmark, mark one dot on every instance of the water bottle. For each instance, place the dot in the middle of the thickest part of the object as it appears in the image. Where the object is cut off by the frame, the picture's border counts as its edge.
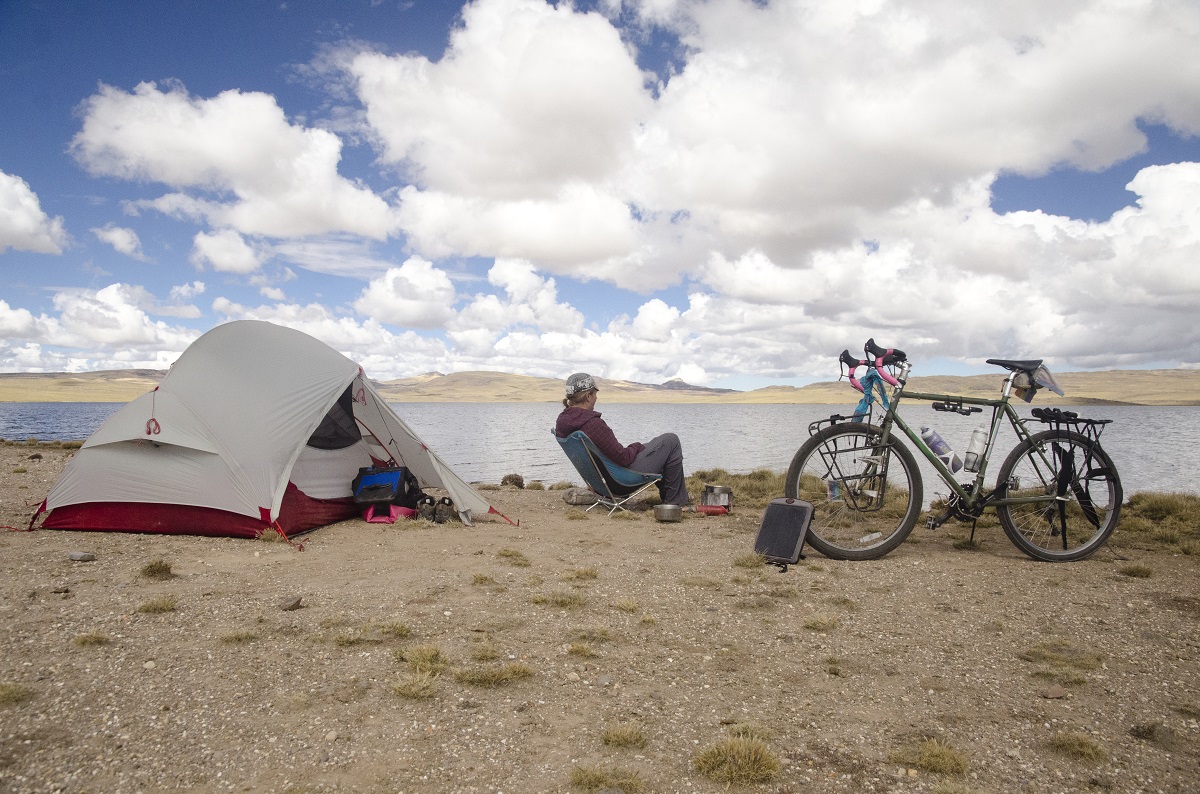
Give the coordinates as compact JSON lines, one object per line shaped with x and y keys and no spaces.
{"x":938,"y":446}
{"x":979,"y":439}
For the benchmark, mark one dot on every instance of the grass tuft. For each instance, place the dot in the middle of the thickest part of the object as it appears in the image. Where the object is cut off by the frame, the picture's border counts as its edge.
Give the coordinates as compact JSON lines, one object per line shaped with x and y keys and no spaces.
{"x":560,"y":599}
{"x":239,"y":638}
{"x":157,"y":569}
{"x":1077,"y":745}
{"x":738,"y":761}
{"x":514,"y":558}
{"x":158,"y":606}
{"x":494,"y":676}
{"x":93,"y":638}
{"x":593,"y":778}
{"x":1062,"y":655}
{"x":581,"y":574}
{"x":417,"y":686}
{"x":424,"y":659}
{"x":624,"y":736}
{"x":581,"y":649}
{"x":627,"y":605}
{"x":1137,"y":571}
{"x":749,"y":560}
{"x":821,"y":623}
{"x":396,"y":630}
{"x":13,"y":694}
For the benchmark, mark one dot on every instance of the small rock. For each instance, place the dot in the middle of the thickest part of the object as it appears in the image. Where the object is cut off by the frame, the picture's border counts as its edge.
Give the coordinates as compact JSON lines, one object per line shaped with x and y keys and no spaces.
{"x":572,"y":676}
{"x":1054,"y":692}
{"x":36,"y":456}
{"x":604,"y":680}
{"x":291,"y":604}
{"x":150,"y":665}
{"x":61,"y":590}
{"x":81,"y":556}
{"x":331,"y":736}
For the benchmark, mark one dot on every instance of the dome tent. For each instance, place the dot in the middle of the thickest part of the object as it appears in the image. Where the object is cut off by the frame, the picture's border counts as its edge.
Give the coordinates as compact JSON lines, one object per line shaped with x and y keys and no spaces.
{"x":255,"y":426}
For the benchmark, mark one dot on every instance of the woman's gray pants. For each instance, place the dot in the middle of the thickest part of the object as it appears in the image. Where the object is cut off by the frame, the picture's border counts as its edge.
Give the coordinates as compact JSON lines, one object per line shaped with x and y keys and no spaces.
{"x":664,"y":455}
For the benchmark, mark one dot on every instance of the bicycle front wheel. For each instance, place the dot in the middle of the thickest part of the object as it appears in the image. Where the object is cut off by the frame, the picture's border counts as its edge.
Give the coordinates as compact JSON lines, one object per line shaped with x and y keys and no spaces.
{"x":1074,"y":496}
{"x":866,"y":495}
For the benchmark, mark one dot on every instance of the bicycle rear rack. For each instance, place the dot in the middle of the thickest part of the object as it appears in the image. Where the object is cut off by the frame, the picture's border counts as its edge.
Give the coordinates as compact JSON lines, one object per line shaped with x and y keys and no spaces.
{"x":1059,"y":419}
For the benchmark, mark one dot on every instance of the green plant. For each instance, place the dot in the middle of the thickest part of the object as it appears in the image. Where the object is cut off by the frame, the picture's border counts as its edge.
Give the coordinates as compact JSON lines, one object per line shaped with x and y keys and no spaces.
{"x":738,"y":761}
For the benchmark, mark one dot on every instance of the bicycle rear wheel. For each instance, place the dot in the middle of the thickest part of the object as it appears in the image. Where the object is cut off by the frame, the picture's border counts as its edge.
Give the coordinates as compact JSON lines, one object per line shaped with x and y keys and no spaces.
{"x":866,"y":496}
{"x":1085,"y":496}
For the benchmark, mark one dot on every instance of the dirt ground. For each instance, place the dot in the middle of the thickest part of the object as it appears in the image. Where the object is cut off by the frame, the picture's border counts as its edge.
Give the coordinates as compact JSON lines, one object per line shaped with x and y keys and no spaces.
{"x":1036,"y":677}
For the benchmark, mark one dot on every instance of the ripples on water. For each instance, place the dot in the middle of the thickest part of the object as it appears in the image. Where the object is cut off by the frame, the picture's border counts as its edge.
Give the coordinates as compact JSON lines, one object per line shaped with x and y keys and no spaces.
{"x":1154,"y":448}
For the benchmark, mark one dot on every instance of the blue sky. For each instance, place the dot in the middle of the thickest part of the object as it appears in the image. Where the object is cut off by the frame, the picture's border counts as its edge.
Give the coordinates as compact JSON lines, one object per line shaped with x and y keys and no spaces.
{"x":724,"y":192}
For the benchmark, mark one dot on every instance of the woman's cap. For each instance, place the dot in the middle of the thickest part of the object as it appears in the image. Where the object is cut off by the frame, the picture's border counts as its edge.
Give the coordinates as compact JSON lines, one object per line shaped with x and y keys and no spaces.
{"x":580,"y":382}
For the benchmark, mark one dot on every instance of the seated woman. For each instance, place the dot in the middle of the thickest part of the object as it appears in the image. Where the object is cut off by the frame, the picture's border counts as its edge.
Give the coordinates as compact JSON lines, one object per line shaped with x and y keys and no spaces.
{"x":660,"y":455}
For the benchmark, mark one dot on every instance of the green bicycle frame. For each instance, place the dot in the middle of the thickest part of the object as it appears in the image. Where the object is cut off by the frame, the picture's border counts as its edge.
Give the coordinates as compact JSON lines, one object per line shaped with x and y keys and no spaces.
{"x":1001,"y":409}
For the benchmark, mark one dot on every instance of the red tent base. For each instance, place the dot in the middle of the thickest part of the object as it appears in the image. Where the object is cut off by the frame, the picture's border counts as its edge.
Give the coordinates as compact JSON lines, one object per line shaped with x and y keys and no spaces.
{"x":298,"y":513}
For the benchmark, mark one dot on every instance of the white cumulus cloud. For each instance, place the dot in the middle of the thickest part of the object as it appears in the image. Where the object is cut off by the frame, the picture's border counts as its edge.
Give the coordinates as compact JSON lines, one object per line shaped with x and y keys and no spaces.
{"x":24,"y":226}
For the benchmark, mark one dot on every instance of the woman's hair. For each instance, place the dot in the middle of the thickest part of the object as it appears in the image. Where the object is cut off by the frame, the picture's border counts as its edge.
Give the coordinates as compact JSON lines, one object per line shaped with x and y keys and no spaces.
{"x":578,"y":397}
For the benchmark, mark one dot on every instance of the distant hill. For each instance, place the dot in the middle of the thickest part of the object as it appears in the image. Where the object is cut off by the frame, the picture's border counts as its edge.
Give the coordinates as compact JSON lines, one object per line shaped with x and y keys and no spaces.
{"x":1113,"y":387}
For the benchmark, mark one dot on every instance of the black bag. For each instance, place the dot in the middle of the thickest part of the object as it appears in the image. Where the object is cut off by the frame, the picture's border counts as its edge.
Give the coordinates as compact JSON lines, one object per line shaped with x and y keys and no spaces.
{"x":783,"y":530}
{"x":383,"y":485}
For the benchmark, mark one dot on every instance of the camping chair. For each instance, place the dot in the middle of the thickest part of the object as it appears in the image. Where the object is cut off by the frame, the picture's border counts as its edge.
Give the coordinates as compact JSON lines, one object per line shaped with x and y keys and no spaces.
{"x":613,"y":485}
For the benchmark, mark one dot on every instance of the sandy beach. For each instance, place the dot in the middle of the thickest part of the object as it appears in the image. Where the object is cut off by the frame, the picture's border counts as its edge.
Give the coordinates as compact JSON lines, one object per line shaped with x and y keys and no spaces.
{"x":575,"y":652}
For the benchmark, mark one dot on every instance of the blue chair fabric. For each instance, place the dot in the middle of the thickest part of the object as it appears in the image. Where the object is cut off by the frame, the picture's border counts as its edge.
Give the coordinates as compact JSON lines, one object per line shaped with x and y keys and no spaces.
{"x":613,"y":485}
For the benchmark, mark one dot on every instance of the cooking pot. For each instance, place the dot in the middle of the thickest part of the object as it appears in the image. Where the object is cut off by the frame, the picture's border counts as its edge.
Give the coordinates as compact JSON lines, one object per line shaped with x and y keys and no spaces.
{"x":720,"y":495}
{"x":668,"y":512}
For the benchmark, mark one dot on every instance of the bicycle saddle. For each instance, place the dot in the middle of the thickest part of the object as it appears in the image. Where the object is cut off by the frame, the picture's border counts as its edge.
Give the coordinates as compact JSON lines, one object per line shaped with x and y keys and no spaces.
{"x":1017,"y":366}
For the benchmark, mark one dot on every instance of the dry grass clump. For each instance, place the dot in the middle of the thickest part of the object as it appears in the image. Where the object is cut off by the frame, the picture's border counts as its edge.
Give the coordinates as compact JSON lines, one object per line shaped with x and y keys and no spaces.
{"x":20,"y":470}
{"x":1162,"y":519}
{"x":239,"y":638}
{"x":751,"y":491}
{"x":593,"y":635}
{"x":535,"y":485}
{"x":485,"y":652}
{"x":514,"y":558}
{"x":93,"y":638}
{"x":482,"y":580}
{"x":577,"y":514}
{"x":749,"y":560}
{"x":13,"y":694}
{"x":158,"y":606}
{"x":424,"y":659}
{"x":581,"y":574}
{"x":1063,"y":655}
{"x":627,"y":605}
{"x":1137,"y":571}
{"x":738,"y":761}
{"x":560,"y":599}
{"x":1078,"y":745}
{"x":594,"y":778}
{"x":562,"y":485}
{"x":935,"y":756}
{"x":628,"y":735}
{"x":515,"y":480}
{"x":581,"y":649}
{"x":396,"y":630}
{"x":626,"y":515}
{"x":416,"y":686}
{"x":157,"y":569}
{"x":821,"y":623}
{"x":494,"y":676}
{"x":352,"y":639}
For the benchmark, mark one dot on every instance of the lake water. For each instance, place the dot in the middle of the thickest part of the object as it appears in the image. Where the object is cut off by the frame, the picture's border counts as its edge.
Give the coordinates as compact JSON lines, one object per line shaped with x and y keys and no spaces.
{"x":1155,"y":448}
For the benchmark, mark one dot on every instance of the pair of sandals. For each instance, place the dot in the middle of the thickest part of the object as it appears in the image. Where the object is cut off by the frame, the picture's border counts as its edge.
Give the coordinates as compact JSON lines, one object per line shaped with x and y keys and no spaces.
{"x":438,"y":512}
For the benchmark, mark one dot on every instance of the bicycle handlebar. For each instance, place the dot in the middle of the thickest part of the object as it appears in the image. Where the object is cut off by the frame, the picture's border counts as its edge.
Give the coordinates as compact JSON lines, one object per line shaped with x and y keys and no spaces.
{"x":877,"y":358}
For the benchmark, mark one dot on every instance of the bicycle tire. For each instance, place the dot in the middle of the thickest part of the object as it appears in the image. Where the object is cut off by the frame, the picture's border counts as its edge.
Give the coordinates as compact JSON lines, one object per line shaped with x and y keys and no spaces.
{"x":1088,"y":496}
{"x":858,"y":514}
